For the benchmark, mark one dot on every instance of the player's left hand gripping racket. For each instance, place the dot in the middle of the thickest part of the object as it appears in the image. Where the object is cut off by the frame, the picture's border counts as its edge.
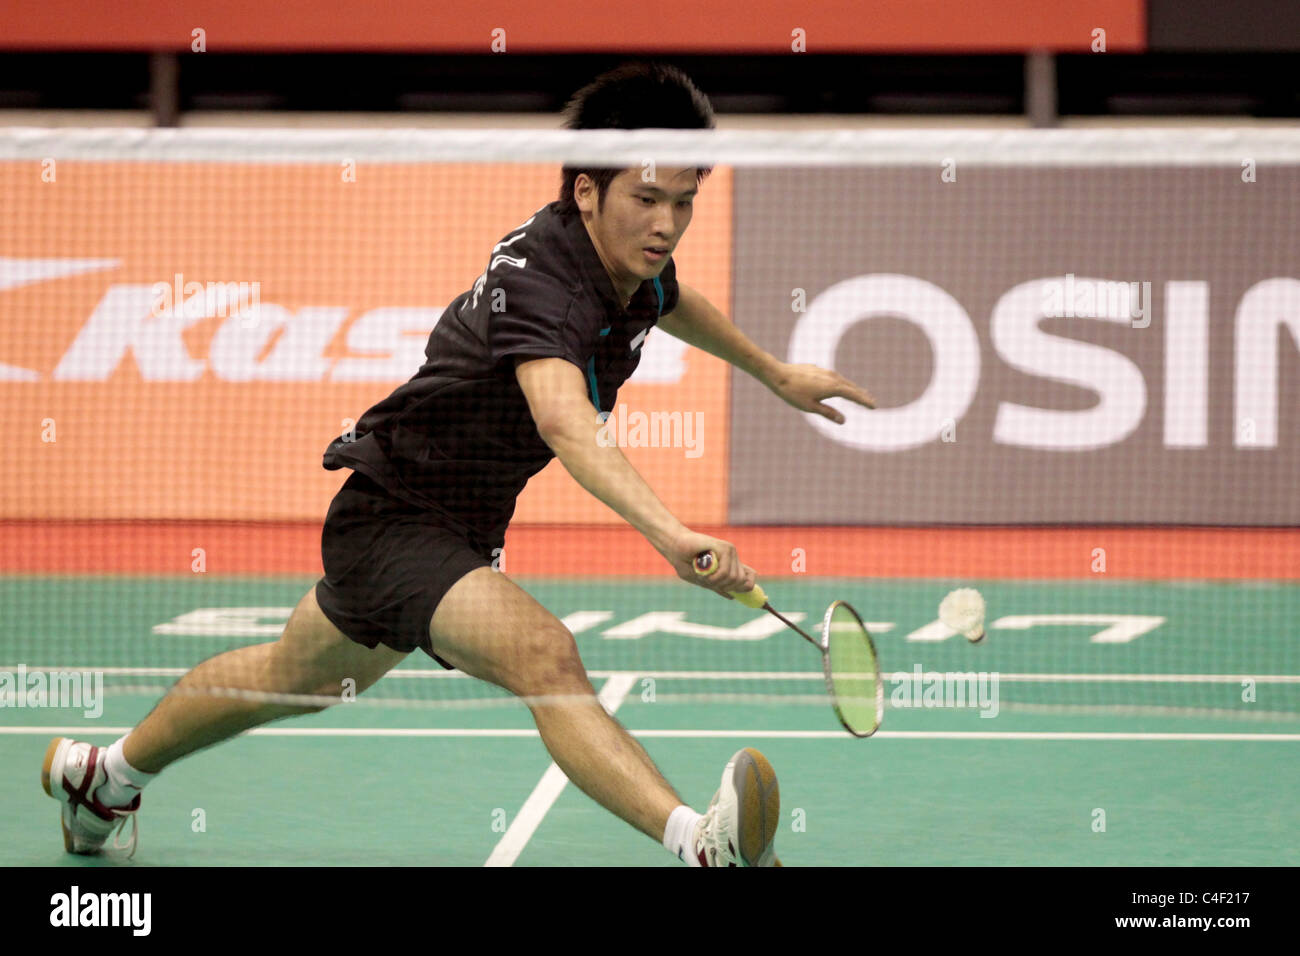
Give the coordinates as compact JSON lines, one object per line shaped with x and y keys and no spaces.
{"x":849,"y":659}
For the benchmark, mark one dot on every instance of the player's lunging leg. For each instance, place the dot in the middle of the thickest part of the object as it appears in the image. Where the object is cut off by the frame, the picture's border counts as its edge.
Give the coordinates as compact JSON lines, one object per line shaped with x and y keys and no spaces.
{"x":490,"y":628}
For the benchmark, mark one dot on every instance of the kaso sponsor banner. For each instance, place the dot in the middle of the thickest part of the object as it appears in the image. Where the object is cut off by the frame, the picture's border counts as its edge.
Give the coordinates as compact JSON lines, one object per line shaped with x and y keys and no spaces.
{"x":181,"y":341}
{"x":1047,"y":345}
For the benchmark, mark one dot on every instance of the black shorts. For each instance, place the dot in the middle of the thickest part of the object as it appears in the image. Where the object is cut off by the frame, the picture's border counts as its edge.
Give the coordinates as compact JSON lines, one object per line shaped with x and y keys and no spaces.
{"x":388,"y":564}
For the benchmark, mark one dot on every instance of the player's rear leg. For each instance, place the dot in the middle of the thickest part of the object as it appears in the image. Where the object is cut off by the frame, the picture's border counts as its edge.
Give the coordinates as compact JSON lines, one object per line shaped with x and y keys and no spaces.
{"x":98,"y":787}
{"x":312,"y":659}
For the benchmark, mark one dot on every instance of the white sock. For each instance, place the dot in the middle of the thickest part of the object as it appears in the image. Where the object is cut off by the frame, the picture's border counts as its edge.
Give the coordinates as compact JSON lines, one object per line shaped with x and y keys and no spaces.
{"x":123,"y":782}
{"x":679,"y":835}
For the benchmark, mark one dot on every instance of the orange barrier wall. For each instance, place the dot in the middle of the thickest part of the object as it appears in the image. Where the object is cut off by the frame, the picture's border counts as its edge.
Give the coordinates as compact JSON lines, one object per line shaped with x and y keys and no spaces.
{"x":34,"y":547}
{"x":504,"y":26}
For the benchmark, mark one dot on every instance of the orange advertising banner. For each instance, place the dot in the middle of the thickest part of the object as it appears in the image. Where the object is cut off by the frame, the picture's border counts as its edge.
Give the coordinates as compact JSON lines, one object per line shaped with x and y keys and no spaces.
{"x":134,"y":384}
{"x":577,"y":26}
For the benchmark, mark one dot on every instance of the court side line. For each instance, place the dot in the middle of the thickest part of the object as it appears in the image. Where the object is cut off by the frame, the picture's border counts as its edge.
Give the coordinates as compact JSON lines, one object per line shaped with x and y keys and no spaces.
{"x":82,"y":732}
{"x":816,"y":676}
{"x":549,"y":788}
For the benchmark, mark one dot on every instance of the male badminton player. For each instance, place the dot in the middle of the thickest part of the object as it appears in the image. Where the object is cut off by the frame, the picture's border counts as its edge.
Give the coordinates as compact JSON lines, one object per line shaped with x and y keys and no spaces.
{"x":517,"y":371}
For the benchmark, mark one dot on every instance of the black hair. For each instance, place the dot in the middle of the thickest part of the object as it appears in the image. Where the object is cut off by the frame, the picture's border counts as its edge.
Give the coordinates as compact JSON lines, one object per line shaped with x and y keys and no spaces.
{"x":635,"y":95}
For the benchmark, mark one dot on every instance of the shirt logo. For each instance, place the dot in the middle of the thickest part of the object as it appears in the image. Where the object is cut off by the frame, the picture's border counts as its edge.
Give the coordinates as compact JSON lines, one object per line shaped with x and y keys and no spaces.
{"x":640,"y":337}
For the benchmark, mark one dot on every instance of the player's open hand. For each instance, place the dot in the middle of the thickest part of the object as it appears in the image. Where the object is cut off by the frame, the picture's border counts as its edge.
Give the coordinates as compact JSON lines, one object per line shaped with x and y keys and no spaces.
{"x":806,"y":386}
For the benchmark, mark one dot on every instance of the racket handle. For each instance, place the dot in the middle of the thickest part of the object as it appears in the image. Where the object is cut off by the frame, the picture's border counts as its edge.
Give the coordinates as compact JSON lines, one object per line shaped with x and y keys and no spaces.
{"x":706,"y":563}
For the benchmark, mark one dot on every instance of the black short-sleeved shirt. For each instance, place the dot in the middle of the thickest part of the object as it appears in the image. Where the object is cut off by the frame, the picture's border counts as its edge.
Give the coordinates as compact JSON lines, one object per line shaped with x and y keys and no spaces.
{"x":458,"y":437}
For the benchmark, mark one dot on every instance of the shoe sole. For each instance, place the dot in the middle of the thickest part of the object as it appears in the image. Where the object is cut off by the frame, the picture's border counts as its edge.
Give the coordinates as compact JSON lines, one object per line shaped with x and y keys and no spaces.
{"x":758,"y":799}
{"x":57,"y":746}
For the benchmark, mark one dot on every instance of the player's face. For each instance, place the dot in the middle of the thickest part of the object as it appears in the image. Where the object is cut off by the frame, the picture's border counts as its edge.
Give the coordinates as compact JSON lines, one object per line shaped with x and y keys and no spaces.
{"x":644,"y":215}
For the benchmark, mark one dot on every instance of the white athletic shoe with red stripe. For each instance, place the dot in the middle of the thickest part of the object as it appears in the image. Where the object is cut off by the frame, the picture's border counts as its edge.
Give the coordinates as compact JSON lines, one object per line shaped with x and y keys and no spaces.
{"x":72,"y":773}
{"x":739,"y":827}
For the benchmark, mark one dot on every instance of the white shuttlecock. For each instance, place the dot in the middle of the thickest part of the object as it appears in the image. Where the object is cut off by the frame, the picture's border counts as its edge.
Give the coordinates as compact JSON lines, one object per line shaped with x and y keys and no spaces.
{"x":963,"y":611}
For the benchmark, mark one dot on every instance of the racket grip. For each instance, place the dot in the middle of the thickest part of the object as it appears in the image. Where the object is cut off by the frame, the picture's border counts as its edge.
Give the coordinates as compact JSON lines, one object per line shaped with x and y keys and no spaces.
{"x":706,"y":563}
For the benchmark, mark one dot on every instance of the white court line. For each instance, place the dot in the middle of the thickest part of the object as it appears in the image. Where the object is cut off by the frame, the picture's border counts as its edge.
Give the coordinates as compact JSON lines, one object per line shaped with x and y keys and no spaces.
{"x":83,"y":732}
{"x":1064,"y":678}
{"x":548,"y":789}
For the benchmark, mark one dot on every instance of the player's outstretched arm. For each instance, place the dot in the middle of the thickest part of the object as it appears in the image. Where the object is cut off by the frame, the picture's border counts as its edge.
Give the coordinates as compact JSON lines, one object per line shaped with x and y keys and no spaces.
{"x":568,"y":423}
{"x":698,"y":322}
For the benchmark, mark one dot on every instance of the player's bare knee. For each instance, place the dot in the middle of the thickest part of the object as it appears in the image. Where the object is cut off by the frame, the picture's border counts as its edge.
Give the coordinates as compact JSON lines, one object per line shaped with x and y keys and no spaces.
{"x":565,"y":674}
{"x":552,"y":666}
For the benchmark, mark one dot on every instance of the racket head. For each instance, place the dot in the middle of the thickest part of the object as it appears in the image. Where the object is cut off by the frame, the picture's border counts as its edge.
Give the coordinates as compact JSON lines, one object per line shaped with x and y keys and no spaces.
{"x":852,"y":668}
